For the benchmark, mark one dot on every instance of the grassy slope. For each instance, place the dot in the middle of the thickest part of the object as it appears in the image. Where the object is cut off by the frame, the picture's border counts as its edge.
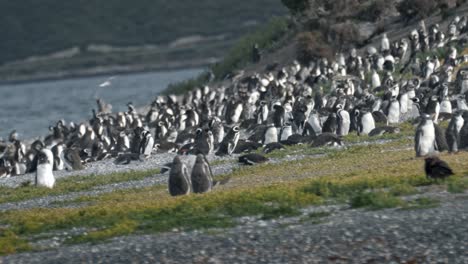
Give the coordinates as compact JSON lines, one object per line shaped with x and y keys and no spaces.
{"x":267,"y":191}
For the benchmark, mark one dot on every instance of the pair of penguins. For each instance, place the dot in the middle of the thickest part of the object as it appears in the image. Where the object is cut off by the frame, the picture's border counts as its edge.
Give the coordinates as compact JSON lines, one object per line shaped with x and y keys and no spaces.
{"x":430,"y":137}
{"x":200,"y":180}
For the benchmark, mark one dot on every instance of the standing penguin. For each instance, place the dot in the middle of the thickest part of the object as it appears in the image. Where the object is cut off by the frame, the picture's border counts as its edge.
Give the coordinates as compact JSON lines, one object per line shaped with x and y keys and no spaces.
{"x":229,"y":143}
{"x":45,"y":165}
{"x":270,"y":135}
{"x":393,"y":115}
{"x":179,"y":179}
{"x":433,"y":108}
{"x":202,"y":178}
{"x":365,"y":122}
{"x":331,"y":124}
{"x":453,"y":132}
{"x":425,"y":138}
{"x":286,"y":131}
{"x":344,"y":122}
{"x":146,"y":144}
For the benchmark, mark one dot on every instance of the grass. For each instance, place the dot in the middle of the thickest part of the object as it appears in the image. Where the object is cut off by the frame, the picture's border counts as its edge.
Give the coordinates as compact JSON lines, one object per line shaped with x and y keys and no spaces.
{"x":375,"y":200}
{"x":457,"y":185}
{"x":71,"y":184}
{"x":367,"y":176}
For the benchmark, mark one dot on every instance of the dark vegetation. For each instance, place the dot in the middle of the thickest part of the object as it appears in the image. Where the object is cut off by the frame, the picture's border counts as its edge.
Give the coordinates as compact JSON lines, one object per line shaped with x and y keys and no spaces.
{"x":268,"y":37}
{"x":33,"y":27}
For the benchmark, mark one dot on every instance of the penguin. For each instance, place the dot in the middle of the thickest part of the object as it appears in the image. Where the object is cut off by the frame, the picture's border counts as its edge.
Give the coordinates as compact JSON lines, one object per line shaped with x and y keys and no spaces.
{"x":385,"y":43}
{"x":379,"y":131}
{"x":273,"y":147}
{"x":365,"y":122}
{"x":326,"y":139}
{"x":331,"y":124}
{"x":217,"y":129}
{"x":433,"y":108}
{"x":201,"y":176}
{"x":252,"y":159}
{"x":72,"y":160}
{"x":146,"y":144}
{"x":286,"y":131}
{"x":375,"y":80}
{"x":464,"y":132}
{"x":179,"y":178}
{"x":436,"y":168}
{"x":228,"y":145}
{"x":57,"y":150}
{"x":453,"y":132}
{"x":344,"y":122}
{"x":425,"y":137}
{"x":314,"y":122}
{"x":203,"y":142}
{"x":445,"y":106}
{"x":45,"y":165}
{"x":270,"y":135}
{"x":246,"y":146}
{"x":393,"y":115}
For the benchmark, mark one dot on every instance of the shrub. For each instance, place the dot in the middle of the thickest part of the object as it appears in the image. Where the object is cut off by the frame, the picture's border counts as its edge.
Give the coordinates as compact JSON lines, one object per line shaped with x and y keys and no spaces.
{"x":376,"y":10}
{"x":296,"y":6}
{"x":311,"y":45}
{"x":345,"y":34}
{"x":423,"y":8}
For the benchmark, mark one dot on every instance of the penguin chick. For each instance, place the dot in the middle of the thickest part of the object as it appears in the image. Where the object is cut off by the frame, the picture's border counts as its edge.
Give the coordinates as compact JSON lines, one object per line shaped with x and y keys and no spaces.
{"x":202,"y":177}
{"x":436,"y":168}
{"x":179,"y":178}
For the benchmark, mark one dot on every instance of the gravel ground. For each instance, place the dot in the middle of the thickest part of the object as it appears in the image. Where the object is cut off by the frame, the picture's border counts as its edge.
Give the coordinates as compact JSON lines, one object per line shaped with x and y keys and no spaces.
{"x":435,"y":235}
{"x":103,"y":168}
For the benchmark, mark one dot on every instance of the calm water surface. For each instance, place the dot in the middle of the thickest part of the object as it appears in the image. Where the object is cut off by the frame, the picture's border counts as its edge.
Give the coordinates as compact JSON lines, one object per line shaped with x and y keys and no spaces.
{"x":31,"y":108}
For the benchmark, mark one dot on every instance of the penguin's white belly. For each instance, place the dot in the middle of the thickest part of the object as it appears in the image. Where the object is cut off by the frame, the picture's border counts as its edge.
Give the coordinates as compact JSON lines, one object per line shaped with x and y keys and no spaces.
{"x":237,"y":113}
{"x":368,"y":123}
{"x":315,"y":124}
{"x":394,"y":113}
{"x":45,"y":177}
{"x":344,"y":124}
{"x":286,"y":132}
{"x":446,"y":107}
{"x":271,"y":136}
{"x":427,"y":141}
{"x":149,"y":147}
{"x":404,"y":103}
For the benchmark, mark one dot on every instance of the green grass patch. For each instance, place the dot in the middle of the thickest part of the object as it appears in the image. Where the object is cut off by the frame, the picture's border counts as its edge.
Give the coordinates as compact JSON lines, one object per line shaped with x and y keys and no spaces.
{"x":402,"y":190}
{"x":357,"y":174}
{"x":457,"y":185}
{"x":375,"y":200}
{"x":121,"y":228}
{"x":11,"y":243}
{"x":71,"y":184}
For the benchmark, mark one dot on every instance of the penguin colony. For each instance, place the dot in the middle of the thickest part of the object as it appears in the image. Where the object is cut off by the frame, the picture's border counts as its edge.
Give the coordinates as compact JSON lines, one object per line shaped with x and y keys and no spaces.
{"x":312,"y":104}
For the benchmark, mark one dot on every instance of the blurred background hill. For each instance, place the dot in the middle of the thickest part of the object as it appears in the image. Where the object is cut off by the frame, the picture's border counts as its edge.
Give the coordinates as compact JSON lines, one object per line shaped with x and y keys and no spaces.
{"x":56,"y":36}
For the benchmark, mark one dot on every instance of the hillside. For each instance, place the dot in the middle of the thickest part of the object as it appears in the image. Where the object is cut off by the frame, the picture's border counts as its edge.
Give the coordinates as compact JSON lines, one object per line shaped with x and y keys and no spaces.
{"x":96,"y":29}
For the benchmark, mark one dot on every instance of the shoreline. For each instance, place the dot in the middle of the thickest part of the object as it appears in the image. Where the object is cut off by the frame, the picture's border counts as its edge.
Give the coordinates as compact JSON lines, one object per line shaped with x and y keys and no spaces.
{"x":109,"y":70}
